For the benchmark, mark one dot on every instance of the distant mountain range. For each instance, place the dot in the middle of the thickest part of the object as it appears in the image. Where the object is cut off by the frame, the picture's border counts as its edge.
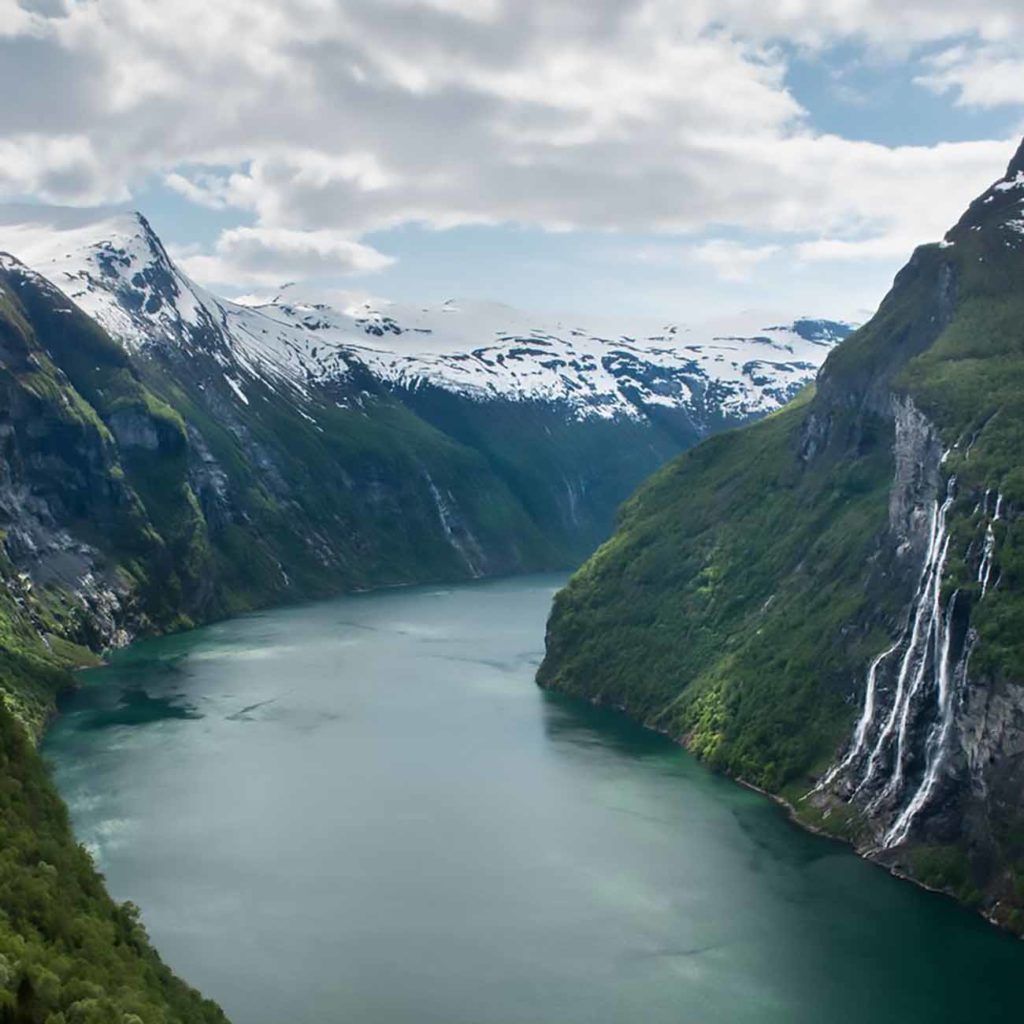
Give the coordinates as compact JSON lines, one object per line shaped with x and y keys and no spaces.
{"x":117,"y":271}
{"x":172,"y":456}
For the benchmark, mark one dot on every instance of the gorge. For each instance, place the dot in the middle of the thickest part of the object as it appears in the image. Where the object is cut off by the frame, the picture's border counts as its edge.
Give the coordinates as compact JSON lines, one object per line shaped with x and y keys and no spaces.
{"x":171,"y":458}
{"x":511,"y":512}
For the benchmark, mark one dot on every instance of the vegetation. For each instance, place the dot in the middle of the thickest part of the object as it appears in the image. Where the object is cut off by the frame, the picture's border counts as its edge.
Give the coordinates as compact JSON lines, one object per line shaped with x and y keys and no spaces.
{"x":141,"y":494}
{"x":68,"y":953}
{"x":717,"y":611}
{"x":751,"y":581}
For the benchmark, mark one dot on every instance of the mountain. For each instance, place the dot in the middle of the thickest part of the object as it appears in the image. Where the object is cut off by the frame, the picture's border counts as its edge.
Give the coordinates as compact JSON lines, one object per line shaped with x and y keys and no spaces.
{"x":119,"y":273}
{"x":829,"y":604}
{"x":552,"y":426}
{"x":79,"y":557}
{"x":169,"y":457}
{"x":226,"y":456}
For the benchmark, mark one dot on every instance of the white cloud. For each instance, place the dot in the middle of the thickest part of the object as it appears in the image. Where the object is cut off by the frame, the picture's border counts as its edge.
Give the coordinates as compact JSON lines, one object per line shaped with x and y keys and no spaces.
{"x":988,"y":76}
{"x":56,"y":168}
{"x":733,"y":261}
{"x":887,"y":247}
{"x":270,"y":256}
{"x":15,"y":20}
{"x":339,"y":117}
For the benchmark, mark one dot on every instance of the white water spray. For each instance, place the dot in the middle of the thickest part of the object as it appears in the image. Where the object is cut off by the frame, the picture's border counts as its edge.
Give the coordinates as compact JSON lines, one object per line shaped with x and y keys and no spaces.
{"x":937,"y":746}
{"x":934,"y":652}
{"x":988,"y":553}
{"x":915,"y":656}
{"x":924,"y":646}
{"x":867,"y":717}
{"x":929,"y":687}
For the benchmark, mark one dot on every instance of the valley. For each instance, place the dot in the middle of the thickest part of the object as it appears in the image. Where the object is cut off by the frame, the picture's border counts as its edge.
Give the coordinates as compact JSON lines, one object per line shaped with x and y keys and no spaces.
{"x":370,"y":798}
{"x":511,"y":512}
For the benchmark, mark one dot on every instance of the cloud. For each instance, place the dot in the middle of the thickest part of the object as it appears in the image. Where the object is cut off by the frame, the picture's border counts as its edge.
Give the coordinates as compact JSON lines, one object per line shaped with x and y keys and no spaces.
{"x":888,"y":247}
{"x":320,"y":121}
{"x":56,"y":169}
{"x":733,"y":261}
{"x":16,"y":20}
{"x":988,"y":76}
{"x":270,"y":256}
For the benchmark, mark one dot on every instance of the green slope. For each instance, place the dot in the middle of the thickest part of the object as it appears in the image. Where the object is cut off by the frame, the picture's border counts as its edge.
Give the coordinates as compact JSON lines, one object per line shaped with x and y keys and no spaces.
{"x":751,"y":582}
{"x":68,"y":953}
{"x":138,"y":494}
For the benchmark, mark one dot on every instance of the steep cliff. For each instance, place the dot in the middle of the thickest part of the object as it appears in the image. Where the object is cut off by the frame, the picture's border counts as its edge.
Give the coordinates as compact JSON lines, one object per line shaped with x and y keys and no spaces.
{"x":829,"y":604}
{"x":171,"y":457}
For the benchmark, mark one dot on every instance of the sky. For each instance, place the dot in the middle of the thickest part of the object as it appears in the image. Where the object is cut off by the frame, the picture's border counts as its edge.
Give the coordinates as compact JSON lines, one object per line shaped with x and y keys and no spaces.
{"x":651,"y":157}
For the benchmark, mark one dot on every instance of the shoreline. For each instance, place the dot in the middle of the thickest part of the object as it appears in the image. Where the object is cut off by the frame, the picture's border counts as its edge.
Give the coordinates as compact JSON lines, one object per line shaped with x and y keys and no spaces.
{"x":894,"y":870}
{"x":793,"y":816}
{"x":102,"y":657}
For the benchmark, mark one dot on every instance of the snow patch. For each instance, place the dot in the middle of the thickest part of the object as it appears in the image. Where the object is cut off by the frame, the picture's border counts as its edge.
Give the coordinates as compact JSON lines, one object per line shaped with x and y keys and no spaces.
{"x":118,"y":271}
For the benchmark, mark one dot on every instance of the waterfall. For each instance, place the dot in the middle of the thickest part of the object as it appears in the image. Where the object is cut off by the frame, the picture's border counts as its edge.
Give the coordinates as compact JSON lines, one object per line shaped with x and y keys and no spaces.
{"x":457,"y":535}
{"x":914,"y":662}
{"x":929,"y":684}
{"x":985,"y":566}
{"x":924,"y":646}
{"x":934,"y":652}
{"x":867,"y":717}
{"x":938,"y":738}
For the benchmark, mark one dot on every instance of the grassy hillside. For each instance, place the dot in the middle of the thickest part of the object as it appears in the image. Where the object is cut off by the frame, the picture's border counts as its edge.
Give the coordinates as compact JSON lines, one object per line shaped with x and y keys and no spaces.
{"x":751,"y":581}
{"x":141,"y":494}
{"x":68,"y":953}
{"x":717,"y":610}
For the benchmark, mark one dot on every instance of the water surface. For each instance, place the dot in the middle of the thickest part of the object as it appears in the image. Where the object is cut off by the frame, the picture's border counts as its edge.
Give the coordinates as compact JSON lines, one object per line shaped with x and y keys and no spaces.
{"x":364,"y":811}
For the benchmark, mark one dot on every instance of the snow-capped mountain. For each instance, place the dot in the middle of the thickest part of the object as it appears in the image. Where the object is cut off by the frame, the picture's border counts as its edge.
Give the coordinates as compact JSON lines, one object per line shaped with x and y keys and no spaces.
{"x":369,"y":445}
{"x":118,"y":271}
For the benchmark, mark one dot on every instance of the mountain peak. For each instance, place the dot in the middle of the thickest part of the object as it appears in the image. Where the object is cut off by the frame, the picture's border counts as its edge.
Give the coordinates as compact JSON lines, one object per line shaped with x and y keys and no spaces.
{"x":1017,"y":163}
{"x":998,"y":209}
{"x":109,"y":261}
{"x":118,"y":271}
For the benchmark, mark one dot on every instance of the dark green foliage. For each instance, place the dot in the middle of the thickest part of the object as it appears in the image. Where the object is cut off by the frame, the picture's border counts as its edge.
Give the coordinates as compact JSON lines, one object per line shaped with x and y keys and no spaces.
{"x":143,"y":493}
{"x":67,"y":952}
{"x":65,"y":946}
{"x":946,"y":868}
{"x":572,"y":482}
{"x":717,"y":611}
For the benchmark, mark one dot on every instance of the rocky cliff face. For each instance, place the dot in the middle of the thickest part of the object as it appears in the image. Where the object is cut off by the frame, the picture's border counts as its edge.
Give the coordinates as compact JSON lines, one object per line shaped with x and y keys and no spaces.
{"x":932,"y":770}
{"x":831,"y":604}
{"x":565,"y":419}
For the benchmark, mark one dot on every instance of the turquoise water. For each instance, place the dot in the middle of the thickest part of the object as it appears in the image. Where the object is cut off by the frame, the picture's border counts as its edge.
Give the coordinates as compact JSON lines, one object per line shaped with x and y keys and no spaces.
{"x":365,"y":811}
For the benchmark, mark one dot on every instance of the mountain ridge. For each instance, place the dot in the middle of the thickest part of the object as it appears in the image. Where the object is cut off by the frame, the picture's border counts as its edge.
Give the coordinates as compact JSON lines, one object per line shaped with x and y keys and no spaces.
{"x":121,"y":274}
{"x":826,"y":604}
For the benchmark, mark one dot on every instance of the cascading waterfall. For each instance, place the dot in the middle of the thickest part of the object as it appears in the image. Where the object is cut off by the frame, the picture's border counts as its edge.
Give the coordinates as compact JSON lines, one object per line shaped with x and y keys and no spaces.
{"x":936,"y":748}
{"x":864,"y":723}
{"x":459,"y":537}
{"x":985,"y":566}
{"x":914,"y":662}
{"x":925,"y":666}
